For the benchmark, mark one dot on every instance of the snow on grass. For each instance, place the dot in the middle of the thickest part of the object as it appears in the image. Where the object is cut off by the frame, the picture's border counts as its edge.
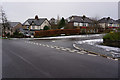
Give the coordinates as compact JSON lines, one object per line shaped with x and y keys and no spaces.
{"x":91,"y":42}
{"x":94,"y":42}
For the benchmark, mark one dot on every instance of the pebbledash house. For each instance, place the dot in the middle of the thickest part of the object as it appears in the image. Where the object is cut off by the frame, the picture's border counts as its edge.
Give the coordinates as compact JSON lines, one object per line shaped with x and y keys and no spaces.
{"x":36,"y":24}
{"x":108,"y":23}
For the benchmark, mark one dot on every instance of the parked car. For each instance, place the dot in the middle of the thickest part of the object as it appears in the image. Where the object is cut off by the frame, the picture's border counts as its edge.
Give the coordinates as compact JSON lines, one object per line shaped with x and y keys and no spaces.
{"x":27,"y":35}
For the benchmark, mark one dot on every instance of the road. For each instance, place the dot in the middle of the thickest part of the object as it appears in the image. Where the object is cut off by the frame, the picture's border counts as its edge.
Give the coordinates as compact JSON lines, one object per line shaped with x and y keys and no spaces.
{"x":35,"y":59}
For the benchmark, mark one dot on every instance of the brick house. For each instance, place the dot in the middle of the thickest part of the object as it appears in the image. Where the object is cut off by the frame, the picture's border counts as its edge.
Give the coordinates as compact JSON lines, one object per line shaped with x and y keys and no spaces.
{"x":79,"y":22}
{"x":85,"y":24}
{"x":15,"y":26}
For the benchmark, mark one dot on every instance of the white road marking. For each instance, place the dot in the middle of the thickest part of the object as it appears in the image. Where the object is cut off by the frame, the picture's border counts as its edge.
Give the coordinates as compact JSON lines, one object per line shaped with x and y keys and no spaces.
{"x":57,"y":48}
{"x":61,"y":47}
{"x":36,"y":43}
{"x":91,"y":54}
{"x":71,"y":51}
{"x":51,"y":46}
{"x":83,"y":51}
{"x":75,"y":50}
{"x":80,"y":53}
{"x":43,"y":45}
{"x":47,"y":45}
{"x":64,"y":49}
{"x":68,"y":48}
{"x":53,"y":41}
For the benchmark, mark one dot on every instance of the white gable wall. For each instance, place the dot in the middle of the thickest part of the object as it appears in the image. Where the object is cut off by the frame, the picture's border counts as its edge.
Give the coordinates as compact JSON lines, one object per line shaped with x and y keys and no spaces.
{"x":102,"y":25}
{"x":45,"y":23}
{"x":26,"y":23}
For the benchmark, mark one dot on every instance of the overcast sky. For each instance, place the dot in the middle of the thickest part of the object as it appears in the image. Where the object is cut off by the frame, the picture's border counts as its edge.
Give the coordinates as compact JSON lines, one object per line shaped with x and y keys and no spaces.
{"x":20,"y":11}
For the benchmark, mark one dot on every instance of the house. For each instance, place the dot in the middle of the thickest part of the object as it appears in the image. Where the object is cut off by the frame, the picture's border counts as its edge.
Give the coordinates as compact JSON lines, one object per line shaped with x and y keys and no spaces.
{"x":10,"y":27}
{"x":79,"y":22}
{"x":53,"y":21}
{"x":0,"y":29}
{"x":118,"y":21}
{"x":108,"y":23}
{"x":36,"y":24}
{"x":14,"y":26}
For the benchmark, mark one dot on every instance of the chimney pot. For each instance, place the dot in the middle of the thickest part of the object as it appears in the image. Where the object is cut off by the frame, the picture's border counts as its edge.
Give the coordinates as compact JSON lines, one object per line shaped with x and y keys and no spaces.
{"x":36,"y":17}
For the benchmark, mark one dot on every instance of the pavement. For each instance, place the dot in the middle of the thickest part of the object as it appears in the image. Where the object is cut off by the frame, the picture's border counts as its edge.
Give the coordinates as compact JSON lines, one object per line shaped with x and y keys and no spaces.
{"x":55,"y":58}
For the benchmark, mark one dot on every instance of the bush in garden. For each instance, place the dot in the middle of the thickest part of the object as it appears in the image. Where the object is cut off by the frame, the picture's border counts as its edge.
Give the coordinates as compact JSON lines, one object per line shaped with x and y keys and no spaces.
{"x":112,"y":36}
{"x":46,"y":28}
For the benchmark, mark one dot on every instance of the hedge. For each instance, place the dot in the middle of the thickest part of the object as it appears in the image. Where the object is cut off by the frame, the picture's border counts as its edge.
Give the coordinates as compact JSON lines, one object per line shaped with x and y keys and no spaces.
{"x":56,"y":32}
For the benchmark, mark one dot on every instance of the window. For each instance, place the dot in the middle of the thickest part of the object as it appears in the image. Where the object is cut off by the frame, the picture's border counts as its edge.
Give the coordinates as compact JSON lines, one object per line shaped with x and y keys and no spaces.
{"x":110,"y":25}
{"x":80,"y":24}
{"x":38,"y":27}
{"x":86,"y":24}
{"x":27,"y":27}
{"x":33,"y":27}
{"x":75,"y":24}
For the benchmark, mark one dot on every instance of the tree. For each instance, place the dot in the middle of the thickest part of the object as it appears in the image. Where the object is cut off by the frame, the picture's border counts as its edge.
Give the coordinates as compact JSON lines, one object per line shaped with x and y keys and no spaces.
{"x":5,"y":24}
{"x":46,"y":28}
{"x":61,"y":23}
{"x":95,"y":22}
{"x":16,"y":32}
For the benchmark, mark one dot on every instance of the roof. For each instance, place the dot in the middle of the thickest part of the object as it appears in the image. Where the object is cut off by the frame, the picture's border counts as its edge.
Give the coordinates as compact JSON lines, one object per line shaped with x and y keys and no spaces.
{"x":118,"y":21}
{"x":37,"y":22}
{"x":80,"y":19}
{"x":107,"y":20}
{"x":13,"y":24}
{"x":52,"y":19}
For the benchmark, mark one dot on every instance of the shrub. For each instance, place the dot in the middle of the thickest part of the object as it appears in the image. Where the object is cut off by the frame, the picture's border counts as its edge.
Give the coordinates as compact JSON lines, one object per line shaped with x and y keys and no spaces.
{"x":57,"y":32}
{"x":112,"y":36}
{"x":46,"y":28}
{"x":16,"y":34}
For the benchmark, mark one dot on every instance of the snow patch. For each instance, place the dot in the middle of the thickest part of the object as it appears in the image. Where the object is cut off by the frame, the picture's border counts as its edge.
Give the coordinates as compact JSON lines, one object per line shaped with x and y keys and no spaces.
{"x":113,"y":50}
{"x":91,"y":42}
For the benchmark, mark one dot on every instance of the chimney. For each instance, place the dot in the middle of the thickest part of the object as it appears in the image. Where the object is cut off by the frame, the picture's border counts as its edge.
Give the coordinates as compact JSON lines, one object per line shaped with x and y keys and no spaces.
{"x":83,"y":17}
{"x":36,"y":17}
{"x":108,"y":18}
